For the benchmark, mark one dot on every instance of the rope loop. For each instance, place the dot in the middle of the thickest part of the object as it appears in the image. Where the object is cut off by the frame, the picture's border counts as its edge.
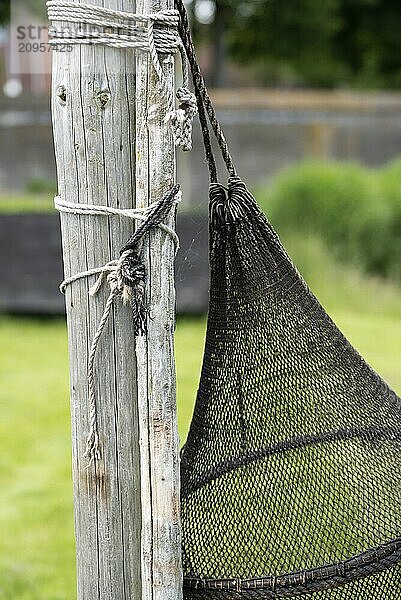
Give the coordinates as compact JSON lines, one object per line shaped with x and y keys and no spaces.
{"x":205,"y":105}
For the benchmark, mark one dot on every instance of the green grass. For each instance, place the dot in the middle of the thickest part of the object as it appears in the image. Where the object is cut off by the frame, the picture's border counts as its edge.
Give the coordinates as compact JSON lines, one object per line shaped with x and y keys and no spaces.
{"x":29,"y":203}
{"x":36,"y":522}
{"x":36,"y":551}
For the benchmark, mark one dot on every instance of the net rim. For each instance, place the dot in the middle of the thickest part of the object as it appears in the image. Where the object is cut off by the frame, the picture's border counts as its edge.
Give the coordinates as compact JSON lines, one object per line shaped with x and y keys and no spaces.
{"x":368,"y":563}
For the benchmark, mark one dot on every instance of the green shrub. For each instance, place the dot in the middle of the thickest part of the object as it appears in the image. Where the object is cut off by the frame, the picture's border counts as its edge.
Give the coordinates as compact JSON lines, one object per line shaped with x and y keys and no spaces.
{"x":41,"y":186}
{"x":390,"y":179}
{"x":356,"y":211}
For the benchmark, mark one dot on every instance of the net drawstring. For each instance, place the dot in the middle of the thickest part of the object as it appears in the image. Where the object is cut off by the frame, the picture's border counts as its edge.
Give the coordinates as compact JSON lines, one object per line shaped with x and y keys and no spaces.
{"x":206,"y":109}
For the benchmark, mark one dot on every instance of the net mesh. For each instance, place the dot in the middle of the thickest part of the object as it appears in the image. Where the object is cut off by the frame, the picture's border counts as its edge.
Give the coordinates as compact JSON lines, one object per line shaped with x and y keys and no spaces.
{"x":291,"y":474}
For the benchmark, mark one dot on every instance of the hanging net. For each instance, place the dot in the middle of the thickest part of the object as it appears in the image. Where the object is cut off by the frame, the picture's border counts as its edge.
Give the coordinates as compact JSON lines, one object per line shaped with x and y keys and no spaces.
{"x":291,"y":474}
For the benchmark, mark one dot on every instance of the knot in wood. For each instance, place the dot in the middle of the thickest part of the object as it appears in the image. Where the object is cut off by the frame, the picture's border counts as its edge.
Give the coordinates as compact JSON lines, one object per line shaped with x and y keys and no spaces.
{"x":61,"y":94}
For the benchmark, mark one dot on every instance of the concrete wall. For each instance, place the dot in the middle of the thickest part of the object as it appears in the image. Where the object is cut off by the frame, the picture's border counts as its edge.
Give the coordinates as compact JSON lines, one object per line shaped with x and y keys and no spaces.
{"x":270,"y":130}
{"x":26,"y":143}
{"x":267,"y":130}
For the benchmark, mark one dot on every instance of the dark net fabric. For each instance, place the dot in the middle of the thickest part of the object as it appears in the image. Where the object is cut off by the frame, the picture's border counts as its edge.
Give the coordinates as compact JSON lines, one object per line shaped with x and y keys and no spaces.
{"x":291,"y":474}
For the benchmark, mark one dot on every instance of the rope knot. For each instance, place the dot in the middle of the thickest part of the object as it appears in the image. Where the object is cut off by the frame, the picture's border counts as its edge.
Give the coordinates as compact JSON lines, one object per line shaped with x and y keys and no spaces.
{"x":181,"y":119}
{"x":186,"y":99}
{"x":131,"y":275}
{"x":132,"y":270}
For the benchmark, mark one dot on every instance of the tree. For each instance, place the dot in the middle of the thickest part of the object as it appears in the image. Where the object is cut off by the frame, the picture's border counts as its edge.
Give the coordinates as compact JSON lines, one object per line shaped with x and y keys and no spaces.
{"x":292,"y":39}
{"x":4,"y":11}
{"x":312,"y":42}
{"x":369,"y":41}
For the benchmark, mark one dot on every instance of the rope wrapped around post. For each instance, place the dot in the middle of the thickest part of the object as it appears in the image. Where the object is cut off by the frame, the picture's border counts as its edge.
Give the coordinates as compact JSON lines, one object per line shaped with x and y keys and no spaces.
{"x":156,"y":33}
{"x":126,"y":279}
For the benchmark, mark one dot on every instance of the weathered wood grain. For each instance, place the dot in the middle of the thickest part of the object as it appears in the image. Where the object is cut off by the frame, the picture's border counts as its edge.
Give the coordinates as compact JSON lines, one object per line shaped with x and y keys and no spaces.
{"x":159,"y":444}
{"x":95,"y":151}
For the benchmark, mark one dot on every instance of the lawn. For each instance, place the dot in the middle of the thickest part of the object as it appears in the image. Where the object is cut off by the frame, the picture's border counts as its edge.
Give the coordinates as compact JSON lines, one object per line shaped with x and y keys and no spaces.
{"x":28,"y":203}
{"x":36,"y":526}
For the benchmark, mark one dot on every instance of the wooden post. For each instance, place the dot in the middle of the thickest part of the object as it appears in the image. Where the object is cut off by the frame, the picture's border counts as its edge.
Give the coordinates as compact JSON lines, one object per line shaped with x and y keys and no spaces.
{"x":109,"y":151}
{"x":155,"y":174}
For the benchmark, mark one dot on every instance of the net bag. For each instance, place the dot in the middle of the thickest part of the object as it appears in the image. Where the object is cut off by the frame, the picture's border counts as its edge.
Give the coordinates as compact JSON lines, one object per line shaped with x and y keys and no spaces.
{"x":291,"y":473}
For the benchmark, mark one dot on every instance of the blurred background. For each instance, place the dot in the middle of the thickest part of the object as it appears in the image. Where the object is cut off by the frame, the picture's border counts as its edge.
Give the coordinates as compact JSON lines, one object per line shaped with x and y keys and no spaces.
{"x":309,"y":95}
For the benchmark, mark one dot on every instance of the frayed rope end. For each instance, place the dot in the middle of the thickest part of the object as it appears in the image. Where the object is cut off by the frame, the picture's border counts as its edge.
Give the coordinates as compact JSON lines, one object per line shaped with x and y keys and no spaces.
{"x":92,"y":448}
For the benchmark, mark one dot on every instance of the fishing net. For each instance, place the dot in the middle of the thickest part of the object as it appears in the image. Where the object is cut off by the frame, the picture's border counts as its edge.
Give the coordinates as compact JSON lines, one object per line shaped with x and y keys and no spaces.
{"x":291,"y":474}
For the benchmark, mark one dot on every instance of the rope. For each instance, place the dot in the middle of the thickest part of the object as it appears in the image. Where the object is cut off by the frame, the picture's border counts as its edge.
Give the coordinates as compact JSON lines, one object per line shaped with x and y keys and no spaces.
{"x":138,"y":214}
{"x":155,"y":33}
{"x":166,"y":43}
{"x":126,"y":279}
{"x":62,"y":10}
{"x":300,"y":583}
{"x":204,"y":100}
{"x":181,"y":119}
